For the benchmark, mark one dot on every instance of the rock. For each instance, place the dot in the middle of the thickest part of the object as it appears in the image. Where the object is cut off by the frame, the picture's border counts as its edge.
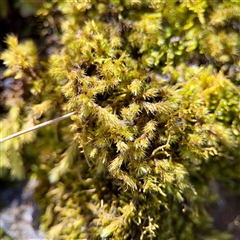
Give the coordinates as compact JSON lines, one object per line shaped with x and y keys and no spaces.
{"x":20,"y":214}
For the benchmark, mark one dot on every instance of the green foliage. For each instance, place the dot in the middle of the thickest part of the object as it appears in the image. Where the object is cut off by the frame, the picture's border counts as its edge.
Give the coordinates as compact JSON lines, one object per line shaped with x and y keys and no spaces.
{"x":3,"y":236}
{"x":155,"y":85}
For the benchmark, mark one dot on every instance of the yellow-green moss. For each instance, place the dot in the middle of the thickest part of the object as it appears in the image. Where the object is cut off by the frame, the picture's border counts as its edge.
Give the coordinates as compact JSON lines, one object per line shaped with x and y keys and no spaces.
{"x":156,"y":88}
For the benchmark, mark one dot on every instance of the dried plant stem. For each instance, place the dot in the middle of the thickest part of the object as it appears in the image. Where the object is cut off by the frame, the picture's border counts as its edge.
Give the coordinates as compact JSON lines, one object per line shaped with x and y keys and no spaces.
{"x":37,"y":126}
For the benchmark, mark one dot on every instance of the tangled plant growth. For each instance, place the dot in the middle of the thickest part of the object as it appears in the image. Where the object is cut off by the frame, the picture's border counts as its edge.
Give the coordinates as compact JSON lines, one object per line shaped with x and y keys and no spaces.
{"x":155,"y":87}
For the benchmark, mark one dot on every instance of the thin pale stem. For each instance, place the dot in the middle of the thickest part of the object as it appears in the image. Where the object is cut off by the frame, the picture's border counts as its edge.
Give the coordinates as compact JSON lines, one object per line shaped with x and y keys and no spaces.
{"x":37,"y":126}
{"x":163,"y":146}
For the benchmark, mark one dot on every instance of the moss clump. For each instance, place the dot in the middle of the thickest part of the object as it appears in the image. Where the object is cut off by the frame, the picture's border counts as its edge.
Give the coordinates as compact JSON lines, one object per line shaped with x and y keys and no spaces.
{"x":157,"y":102}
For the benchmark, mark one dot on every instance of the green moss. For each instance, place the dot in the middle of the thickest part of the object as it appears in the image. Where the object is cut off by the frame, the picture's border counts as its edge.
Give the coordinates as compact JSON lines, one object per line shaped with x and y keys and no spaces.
{"x":155,"y":85}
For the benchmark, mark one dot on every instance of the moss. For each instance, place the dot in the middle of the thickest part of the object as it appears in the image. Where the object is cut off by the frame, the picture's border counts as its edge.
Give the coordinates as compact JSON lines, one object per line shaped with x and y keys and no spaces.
{"x":155,"y":85}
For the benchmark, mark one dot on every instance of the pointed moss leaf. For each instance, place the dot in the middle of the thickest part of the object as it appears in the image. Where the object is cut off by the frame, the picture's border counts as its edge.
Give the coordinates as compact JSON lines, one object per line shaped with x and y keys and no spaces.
{"x":136,"y":87}
{"x":111,"y":228}
{"x":116,"y":163}
{"x":149,"y":107}
{"x":41,"y":108}
{"x":121,"y":146}
{"x":64,"y":164}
